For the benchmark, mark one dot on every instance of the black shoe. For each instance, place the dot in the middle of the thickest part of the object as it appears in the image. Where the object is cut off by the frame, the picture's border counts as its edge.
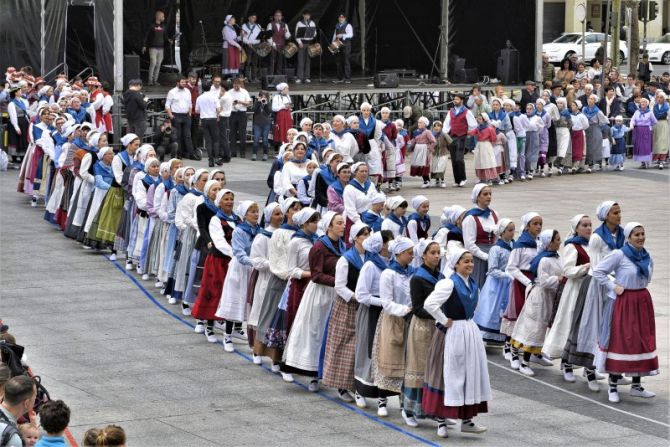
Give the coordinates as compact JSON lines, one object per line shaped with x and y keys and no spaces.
{"x":226,"y":160}
{"x":242,"y":155}
{"x":233,"y":155}
{"x":219,"y":162}
{"x":211,"y":163}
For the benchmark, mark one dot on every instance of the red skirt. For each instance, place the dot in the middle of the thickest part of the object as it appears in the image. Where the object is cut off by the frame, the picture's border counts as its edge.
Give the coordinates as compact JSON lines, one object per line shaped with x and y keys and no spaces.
{"x":577,"y":145}
{"x":347,"y":230}
{"x":211,"y":287}
{"x":632,"y":346}
{"x":419,"y":171}
{"x":518,"y":292}
{"x":233,"y":58}
{"x":296,"y":290}
{"x":283,"y":122}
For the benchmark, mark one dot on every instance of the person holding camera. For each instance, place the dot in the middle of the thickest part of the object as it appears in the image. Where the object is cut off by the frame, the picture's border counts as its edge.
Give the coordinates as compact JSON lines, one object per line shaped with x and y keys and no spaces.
{"x":136,"y":108}
{"x":262,"y":122}
{"x":165,"y":141}
{"x":238,"y":118}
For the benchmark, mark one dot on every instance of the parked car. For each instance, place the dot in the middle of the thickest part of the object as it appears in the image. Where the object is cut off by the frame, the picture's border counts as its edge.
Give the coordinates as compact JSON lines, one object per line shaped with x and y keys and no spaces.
{"x":571,"y":43}
{"x":659,"y":50}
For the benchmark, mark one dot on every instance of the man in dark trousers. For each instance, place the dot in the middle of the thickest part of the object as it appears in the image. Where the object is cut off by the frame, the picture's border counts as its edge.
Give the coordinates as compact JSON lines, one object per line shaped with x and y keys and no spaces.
{"x":458,"y":122}
{"x":155,"y":41}
{"x":136,"y":108}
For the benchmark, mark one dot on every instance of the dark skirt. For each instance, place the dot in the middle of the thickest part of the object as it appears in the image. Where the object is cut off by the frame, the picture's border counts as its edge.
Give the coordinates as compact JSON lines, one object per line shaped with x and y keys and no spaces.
{"x":570,"y":353}
{"x":251,"y":331}
{"x":16,"y":141}
{"x":209,"y":295}
{"x":553,"y":145}
{"x":296,"y":291}
{"x":273,"y":295}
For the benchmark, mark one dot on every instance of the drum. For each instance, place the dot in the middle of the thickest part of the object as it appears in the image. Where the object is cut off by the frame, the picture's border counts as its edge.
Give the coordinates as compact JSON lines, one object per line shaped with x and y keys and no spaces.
{"x":243,"y":56}
{"x":314,"y":50}
{"x":334,"y":47}
{"x":289,"y":50}
{"x":263,"y":49}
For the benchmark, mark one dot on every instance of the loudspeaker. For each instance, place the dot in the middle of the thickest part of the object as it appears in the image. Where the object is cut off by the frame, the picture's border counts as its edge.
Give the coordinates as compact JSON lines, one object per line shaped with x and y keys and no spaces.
{"x":269,"y":82}
{"x":386,"y":80}
{"x":131,"y":68}
{"x":508,"y":66}
{"x":466,"y":76}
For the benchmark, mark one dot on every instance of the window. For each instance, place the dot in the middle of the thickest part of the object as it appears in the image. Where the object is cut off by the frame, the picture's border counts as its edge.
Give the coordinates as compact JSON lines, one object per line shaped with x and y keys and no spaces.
{"x":567,"y":38}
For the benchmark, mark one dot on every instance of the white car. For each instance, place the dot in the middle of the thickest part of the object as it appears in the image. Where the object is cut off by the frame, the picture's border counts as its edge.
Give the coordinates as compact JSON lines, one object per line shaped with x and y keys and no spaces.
{"x":659,"y":51}
{"x":571,"y":43}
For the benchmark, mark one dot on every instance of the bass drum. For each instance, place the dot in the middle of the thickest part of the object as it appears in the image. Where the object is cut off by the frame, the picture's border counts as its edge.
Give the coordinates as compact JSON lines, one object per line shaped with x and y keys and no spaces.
{"x":334,"y":47}
{"x":290,"y":50}
{"x":314,"y":50}
{"x":263,"y":49}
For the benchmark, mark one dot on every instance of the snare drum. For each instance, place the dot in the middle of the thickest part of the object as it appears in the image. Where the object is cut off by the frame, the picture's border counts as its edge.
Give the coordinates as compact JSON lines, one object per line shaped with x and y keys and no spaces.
{"x":263,"y":49}
{"x":314,"y":50}
{"x":334,"y":47}
{"x":289,"y":50}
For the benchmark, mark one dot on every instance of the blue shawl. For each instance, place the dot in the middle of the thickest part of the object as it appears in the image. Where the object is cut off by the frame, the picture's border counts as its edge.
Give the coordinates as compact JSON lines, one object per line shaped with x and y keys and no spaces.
{"x":339,"y":250}
{"x":423,"y":273}
{"x":606,"y":236}
{"x":362,"y":188}
{"x":400,"y":221}
{"x":535,"y":263}
{"x":372,"y":220}
{"x":640,"y":258}
{"x":525,"y":241}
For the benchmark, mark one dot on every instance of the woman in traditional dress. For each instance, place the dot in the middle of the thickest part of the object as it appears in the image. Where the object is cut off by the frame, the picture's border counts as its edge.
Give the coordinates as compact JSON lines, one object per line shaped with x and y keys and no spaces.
{"x":562,"y":135}
{"x":627,"y":339}
{"x":145,"y":152}
{"x":261,"y":275}
{"x":579,"y":123}
{"x":661,"y":142}
{"x":454,"y":236}
{"x":401,"y":143}
{"x":456,"y":383}
{"x":533,"y":320}
{"x":479,"y":230}
{"x":280,"y":270}
{"x":103,"y":182}
{"x":281,"y":105}
{"x":304,"y":344}
{"x":440,"y":160}
{"x":159,"y":245}
{"x":618,"y":152}
{"x":232,"y":306}
{"x":420,"y":332}
{"x":373,"y":217}
{"x":533,"y":127}
{"x":187,"y":224}
{"x":418,"y":223}
{"x":388,"y":140}
{"x":642,"y":122}
{"x":367,"y":315}
{"x":545,"y":116}
{"x":56,"y":210}
{"x":340,"y":352}
{"x":494,"y":294}
{"x":594,"y":135}
{"x":345,"y":142}
{"x":326,"y":176}
{"x":294,"y":171}
{"x":151,"y":235}
{"x":485,"y":159}
{"x":216,"y":216}
{"x":335,"y":191}
{"x":141,"y":185}
{"x":357,"y":195}
{"x":231,"y":47}
{"x":19,"y":122}
{"x":575,"y":264}
{"x":518,"y":267}
{"x":395,"y":221}
{"x":423,"y":143}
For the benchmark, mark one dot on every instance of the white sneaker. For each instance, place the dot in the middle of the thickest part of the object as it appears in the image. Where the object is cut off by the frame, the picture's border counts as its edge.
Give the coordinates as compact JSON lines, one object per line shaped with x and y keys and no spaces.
{"x":256,"y":359}
{"x":409,"y":420}
{"x":515,"y":364}
{"x":112,"y":257}
{"x":624,"y":381}
{"x":602,"y":377}
{"x":345,"y":396}
{"x":541,"y":360}
{"x":239,"y":334}
{"x":228,"y":344}
{"x":313,"y":386}
{"x":507,"y":355}
{"x":139,"y":270}
{"x":471,"y":427}
{"x":275,"y":368}
{"x":145,"y":277}
{"x":129,"y":265}
{"x":451,"y":421}
{"x":172,"y":300}
{"x":529,"y":177}
{"x":158,"y":284}
{"x":501,"y":182}
{"x":594,"y":386}
{"x":199,"y":327}
{"x":298,"y":81}
{"x":425,"y":185}
{"x":462,"y":183}
{"x":526,"y":370}
{"x":641,"y":392}
{"x":569,"y":376}
{"x":220,"y":325}
{"x":443,"y":184}
{"x":621,"y":168}
{"x":186,"y":310}
{"x":382,"y":412}
{"x":442,"y":431}
{"x":360,"y":401}
{"x":287,"y":377}
{"x":211,"y":337}
{"x":613,"y":396}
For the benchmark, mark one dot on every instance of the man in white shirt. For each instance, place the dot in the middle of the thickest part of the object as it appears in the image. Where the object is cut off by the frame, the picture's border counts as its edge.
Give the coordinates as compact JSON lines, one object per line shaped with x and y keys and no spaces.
{"x":207,"y":106}
{"x":280,"y":36}
{"x":250,"y":31}
{"x":238,"y":118}
{"x":225,"y":110}
{"x":305,"y":32}
{"x":178,"y":108}
{"x":344,"y":32}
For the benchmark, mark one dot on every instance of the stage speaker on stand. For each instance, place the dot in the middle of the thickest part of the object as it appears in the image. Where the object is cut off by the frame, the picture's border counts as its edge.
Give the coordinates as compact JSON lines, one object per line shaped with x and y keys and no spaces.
{"x":386,"y":80}
{"x":508,"y":65}
{"x":269,"y":82}
{"x":131,"y":68}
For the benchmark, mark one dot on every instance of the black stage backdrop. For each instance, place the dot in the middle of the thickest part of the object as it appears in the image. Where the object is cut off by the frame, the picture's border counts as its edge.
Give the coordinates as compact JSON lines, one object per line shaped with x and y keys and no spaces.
{"x":390,"y":43}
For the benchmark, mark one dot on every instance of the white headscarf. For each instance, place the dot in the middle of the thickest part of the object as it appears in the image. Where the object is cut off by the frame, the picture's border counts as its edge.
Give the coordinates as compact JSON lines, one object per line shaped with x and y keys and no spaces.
{"x":575,"y":221}
{"x":355,"y":229}
{"x":179,"y":171}
{"x":400,"y":244}
{"x":394,"y":202}
{"x":243,"y":207}
{"x":417,"y":201}
{"x":526,"y":218}
{"x":545,"y":239}
{"x":456,"y":212}
{"x":374,"y":243}
{"x":128,"y":138}
{"x":220,"y":195}
{"x":103,"y":151}
{"x":476,"y":190}
{"x":455,"y":256}
{"x":287,"y":203}
{"x":341,"y":166}
{"x":421,"y":247}
{"x":165,"y":167}
{"x":303,"y":216}
{"x":630,"y":226}
{"x":326,"y":219}
{"x":269,"y":211}
{"x":142,"y":152}
{"x":502,"y":225}
{"x":603,"y":209}
{"x":94,"y":138}
{"x":355,"y":166}
{"x":379,"y":197}
{"x":208,"y":186}
{"x":198,"y":174}
{"x":305,"y":120}
{"x":281,"y":86}
{"x":150,"y":162}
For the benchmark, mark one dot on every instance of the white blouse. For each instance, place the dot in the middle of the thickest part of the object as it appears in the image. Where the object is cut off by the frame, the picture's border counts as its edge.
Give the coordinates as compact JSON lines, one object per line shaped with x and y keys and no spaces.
{"x":139,"y":191}
{"x":394,"y":293}
{"x":341,"y":277}
{"x":84,"y":167}
{"x":278,"y":253}
{"x":281,"y":102}
{"x":367,"y":287}
{"x":470,"y":234}
{"x":520,"y":259}
{"x":388,"y":224}
{"x":298,"y":257}
{"x":117,"y":168}
{"x":160,"y":202}
{"x":219,"y":237}
{"x":345,"y":145}
{"x":291,"y":174}
{"x":597,"y":250}
{"x":185,"y":216}
{"x":259,"y":250}
{"x":570,"y":268}
{"x":356,"y":201}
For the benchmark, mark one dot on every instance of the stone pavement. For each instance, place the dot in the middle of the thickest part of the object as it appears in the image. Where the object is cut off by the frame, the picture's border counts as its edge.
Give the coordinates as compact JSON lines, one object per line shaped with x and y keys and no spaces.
{"x":116,"y":352}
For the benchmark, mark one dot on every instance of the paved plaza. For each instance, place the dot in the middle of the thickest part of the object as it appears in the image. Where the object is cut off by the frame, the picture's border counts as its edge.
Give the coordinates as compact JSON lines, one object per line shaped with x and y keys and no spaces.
{"x":113,"y":349}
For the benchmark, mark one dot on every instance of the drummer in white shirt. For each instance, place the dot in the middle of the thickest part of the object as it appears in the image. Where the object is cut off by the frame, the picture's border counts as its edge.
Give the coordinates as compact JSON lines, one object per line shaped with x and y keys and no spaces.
{"x":307,"y":29}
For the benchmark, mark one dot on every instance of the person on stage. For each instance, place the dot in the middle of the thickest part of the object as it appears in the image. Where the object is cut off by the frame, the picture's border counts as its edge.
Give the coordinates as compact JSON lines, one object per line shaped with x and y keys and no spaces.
{"x":280,"y":35}
{"x":250,"y":32}
{"x":231,"y":48}
{"x":305,"y":33}
{"x":344,"y":32}
{"x":155,"y":41}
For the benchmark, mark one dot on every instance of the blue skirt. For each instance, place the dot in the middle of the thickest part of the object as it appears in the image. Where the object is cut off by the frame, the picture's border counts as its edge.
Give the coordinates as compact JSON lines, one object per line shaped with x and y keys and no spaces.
{"x":493,"y":300}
